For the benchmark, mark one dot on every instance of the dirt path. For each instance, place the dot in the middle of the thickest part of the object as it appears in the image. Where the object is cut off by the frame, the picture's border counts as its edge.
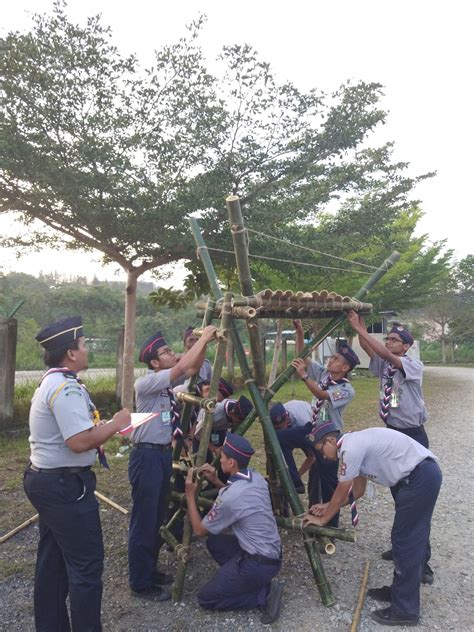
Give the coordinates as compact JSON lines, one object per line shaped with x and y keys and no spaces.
{"x":447,"y":604}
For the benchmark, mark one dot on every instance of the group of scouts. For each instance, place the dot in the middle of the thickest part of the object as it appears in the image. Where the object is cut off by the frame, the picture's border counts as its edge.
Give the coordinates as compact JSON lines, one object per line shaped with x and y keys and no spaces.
{"x":66,"y":436}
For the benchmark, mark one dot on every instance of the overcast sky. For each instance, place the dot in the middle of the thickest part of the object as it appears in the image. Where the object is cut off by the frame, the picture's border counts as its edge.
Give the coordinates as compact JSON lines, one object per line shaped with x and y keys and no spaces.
{"x":420,"y":50}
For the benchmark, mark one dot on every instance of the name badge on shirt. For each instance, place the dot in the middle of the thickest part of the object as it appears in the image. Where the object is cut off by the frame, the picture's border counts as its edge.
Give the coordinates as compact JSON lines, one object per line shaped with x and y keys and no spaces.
{"x":166,"y":417}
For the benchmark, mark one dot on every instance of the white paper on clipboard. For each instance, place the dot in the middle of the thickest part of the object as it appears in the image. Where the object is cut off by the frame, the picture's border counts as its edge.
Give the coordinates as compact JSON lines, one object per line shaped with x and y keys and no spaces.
{"x":138,"y":419}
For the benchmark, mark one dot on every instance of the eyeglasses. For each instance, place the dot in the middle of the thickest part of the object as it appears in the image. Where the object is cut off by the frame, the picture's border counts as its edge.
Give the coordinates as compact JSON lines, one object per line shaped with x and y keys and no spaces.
{"x":392,"y":339}
{"x":165,"y":352}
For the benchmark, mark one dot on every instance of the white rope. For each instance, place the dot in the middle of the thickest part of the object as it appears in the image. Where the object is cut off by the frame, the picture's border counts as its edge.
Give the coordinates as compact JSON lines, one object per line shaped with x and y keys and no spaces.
{"x":318,"y":252}
{"x":299,"y":263}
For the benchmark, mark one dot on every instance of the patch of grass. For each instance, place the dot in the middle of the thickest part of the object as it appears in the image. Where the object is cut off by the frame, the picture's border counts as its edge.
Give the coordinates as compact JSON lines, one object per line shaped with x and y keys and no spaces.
{"x":102,"y":390}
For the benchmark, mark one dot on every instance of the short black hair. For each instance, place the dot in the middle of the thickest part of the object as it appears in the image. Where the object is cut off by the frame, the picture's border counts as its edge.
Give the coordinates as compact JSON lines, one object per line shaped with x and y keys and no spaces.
{"x":149,"y":364}
{"x":54,"y":357}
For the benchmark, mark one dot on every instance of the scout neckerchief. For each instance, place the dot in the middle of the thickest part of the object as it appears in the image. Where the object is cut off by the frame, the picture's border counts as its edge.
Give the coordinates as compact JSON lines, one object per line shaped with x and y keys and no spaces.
{"x":95,"y":416}
{"x":387,"y":392}
{"x":324,"y":385}
{"x":352,"y":502}
{"x":175,"y":418}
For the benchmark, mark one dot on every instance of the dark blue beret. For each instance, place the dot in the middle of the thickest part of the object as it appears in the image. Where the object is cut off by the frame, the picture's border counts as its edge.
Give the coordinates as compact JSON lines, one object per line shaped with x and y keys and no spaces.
{"x":404,"y":334}
{"x":225,"y":388}
{"x":150,"y":347}
{"x":318,"y":434}
{"x":277,"y":413}
{"x":241,"y":407}
{"x":349,"y":355}
{"x":238,"y":448}
{"x":60,"y":333}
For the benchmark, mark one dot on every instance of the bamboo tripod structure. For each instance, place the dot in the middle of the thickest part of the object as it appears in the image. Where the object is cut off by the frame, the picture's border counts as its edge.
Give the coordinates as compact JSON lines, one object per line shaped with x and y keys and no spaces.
{"x":260,"y":393}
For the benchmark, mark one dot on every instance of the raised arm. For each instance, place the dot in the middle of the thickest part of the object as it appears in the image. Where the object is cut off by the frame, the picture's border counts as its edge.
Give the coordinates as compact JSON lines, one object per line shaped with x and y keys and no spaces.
{"x":370,"y":344}
{"x":191,"y":361}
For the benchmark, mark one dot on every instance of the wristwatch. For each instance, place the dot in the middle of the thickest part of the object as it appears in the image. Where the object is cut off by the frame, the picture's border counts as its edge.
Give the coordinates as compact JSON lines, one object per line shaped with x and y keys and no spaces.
{"x":305,"y":377}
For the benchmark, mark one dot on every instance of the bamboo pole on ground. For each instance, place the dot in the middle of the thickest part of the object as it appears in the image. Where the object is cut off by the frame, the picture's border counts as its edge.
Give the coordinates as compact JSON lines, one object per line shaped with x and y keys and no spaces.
{"x":106,"y":500}
{"x":361,"y":598}
{"x":19,"y":528}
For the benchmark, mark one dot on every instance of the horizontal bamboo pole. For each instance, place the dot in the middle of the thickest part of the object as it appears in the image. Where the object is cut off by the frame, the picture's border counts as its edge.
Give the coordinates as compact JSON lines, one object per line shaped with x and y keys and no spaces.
{"x":106,"y":500}
{"x":291,"y":314}
{"x":347,"y":535}
{"x":19,"y":528}
{"x":206,"y":404}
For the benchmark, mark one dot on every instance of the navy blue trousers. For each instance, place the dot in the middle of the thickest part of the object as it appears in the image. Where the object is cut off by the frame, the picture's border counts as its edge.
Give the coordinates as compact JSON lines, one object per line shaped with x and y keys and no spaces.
{"x":414,"y":505}
{"x":70,"y":551}
{"x":240,"y":583}
{"x":290,"y":439}
{"x":417,"y":434}
{"x":322,"y":482}
{"x":149,"y":472}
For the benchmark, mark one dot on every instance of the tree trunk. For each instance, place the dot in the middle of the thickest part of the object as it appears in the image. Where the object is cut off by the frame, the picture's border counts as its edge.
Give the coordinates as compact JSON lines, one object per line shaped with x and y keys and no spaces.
{"x":129,"y":340}
{"x":443,"y":350}
{"x":276,"y":352}
{"x":119,"y":367}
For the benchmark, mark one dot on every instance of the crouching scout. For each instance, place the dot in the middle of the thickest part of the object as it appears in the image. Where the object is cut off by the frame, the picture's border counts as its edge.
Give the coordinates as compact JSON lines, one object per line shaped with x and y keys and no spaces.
{"x":250,"y":557}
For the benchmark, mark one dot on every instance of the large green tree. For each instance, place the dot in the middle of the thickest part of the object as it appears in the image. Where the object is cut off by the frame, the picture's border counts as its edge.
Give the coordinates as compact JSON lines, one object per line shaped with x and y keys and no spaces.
{"x":99,"y":153}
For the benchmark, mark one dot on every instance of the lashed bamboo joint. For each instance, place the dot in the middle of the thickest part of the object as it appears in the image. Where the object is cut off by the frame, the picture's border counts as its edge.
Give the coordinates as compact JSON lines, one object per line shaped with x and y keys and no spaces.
{"x":208,"y":404}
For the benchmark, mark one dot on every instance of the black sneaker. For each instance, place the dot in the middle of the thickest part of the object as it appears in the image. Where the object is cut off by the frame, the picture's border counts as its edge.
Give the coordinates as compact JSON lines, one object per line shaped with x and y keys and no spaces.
{"x":387,"y":555}
{"x":153,"y":593}
{"x":162,"y":579}
{"x":387,"y":617}
{"x":428,"y":575}
{"x":271,"y":611}
{"x":380,"y":594}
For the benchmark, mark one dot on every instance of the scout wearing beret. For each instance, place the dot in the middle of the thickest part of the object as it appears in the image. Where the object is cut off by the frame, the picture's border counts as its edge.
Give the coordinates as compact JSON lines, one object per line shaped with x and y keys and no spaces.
{"x":391,"y":459}
{"x":293,"y":421}
{"x":402,"y":405}
{"x":189,"y":340}
{"x":250,"y":557}
{"x":60,"y":484}
{"x":150,"y":464}
{"x":332,"y":392}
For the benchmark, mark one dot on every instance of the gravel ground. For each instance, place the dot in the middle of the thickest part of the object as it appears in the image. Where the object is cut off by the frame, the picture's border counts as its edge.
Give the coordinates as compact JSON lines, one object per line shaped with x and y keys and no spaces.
{"x":446,"y":605}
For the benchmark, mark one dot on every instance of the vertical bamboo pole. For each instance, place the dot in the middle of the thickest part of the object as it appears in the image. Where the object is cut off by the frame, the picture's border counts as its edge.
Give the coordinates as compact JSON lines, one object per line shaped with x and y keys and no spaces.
{"x":240,"y":239}
{"x":269,"y":430}
{"x":206,"y":430}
